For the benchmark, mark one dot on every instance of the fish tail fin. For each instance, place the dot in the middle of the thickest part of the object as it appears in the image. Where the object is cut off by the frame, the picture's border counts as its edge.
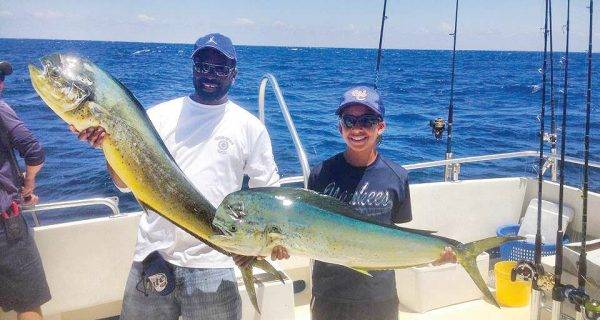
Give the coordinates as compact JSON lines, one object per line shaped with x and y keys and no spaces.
{"x":249,"y":284}
{"x":467,"y":254}
{"x":248,"y":278}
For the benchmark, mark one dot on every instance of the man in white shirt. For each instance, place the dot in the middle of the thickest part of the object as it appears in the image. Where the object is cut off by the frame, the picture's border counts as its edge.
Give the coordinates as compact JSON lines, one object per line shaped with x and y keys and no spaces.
{"x":216,"y":143}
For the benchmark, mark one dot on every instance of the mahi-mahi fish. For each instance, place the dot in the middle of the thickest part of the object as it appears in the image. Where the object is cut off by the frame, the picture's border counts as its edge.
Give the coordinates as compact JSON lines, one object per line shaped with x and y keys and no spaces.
{"x":321,"y":227}
{"x":84,"y":96}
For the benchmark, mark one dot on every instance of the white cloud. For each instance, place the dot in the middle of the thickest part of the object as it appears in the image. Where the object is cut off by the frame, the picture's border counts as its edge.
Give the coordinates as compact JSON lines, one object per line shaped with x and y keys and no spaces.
{"x":145,"y":18}
{"x":243,"y":22}
{"x":5,"y":13}
{"x":279,"y":24}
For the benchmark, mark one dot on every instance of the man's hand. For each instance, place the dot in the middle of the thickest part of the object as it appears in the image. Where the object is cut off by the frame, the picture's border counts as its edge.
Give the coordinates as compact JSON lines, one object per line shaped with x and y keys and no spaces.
{"x":448,"y":256}
{"x":31,"y":200}
{"x":28,"y":186}
{"x":279,"y":253}
{"x":243,"y":261}
{"x":93,"y":135}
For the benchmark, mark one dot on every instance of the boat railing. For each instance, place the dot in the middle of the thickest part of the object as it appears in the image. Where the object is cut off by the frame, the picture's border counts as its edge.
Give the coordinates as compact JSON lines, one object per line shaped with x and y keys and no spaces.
{"x":111,"y":202}
{"x":288,"y":121}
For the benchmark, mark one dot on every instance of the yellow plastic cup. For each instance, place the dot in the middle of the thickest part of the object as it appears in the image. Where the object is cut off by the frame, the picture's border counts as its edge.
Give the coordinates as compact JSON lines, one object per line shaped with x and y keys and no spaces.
{"x":510,"y":293}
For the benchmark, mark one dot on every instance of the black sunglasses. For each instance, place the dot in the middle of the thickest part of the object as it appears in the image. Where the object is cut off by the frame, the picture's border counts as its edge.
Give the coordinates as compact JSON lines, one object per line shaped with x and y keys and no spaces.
{"x":364,"y":121}
{"x":219,"y":69}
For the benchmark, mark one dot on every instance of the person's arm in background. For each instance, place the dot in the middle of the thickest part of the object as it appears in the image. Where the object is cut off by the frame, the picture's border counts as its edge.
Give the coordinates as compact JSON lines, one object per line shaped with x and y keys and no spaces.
{"x":29,"y":148}
{"x":95,"y":136}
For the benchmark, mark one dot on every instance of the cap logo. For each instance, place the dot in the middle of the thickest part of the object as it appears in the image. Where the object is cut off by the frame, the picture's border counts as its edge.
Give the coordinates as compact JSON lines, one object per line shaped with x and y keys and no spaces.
{"x":359,"y":94}
{"x":212,"y":39}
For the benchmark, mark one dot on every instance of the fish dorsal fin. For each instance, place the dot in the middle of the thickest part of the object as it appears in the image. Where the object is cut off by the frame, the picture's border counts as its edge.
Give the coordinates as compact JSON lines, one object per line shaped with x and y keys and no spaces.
{"x":329,"y":204}
{"x":142,"y":113}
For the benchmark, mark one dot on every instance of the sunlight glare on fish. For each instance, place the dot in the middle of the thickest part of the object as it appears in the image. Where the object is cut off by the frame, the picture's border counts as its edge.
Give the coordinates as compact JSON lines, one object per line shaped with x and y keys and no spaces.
{"x":285,"y":201}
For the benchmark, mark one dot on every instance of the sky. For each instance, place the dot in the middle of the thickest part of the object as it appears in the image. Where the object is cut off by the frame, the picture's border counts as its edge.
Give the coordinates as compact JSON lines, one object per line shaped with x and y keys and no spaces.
{"x":416,"y":24}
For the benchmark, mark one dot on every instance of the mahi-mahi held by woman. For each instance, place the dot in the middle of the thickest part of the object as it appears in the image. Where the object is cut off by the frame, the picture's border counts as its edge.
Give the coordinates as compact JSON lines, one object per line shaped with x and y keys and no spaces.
{"x":321,"y":227}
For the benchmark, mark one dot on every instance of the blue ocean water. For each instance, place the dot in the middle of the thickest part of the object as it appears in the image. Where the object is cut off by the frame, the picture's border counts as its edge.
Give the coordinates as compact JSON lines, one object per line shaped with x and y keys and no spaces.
{"x":497,"y":105}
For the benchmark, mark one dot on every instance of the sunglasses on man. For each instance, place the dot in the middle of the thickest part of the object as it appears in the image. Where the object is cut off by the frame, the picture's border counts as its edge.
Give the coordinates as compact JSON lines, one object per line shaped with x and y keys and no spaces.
{"x":364,"y":121}
{"x":219,"y":69}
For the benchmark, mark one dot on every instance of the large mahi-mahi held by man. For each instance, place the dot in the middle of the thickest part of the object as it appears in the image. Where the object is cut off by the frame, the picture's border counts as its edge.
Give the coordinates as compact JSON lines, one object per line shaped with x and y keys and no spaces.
{"x":323,"y":228}
{"x":84,"y":95}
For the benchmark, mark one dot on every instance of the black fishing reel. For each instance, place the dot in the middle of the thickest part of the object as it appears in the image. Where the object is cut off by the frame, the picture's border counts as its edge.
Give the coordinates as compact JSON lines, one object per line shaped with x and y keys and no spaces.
{"x":575,"y":295}
{"x":437,"y":127}
{"x":525,"y":271}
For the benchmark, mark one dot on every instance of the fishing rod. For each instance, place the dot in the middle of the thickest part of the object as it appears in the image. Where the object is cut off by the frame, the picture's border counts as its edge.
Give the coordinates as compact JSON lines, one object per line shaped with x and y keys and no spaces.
{"x":536,"y":290}
{"x":439,"y":124}
{"x":383,"y":17}
{"x":585,"y":306}
{"x":552,"y":136}
{"x":447,"y":170}
{"x":582,"y":272}
{"x":557,"y":292}
{"x":586,"y":159}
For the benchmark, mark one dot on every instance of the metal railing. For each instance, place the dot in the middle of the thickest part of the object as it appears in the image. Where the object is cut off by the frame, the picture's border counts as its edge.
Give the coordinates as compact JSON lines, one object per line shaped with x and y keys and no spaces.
{"x":111,"y":202}
{"x":288,"y":121}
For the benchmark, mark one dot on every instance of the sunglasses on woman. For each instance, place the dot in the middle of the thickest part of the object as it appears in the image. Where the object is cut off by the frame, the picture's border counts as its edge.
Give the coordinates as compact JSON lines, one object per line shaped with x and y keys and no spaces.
{"x":364,"y":121}
{"x":219,"y":69}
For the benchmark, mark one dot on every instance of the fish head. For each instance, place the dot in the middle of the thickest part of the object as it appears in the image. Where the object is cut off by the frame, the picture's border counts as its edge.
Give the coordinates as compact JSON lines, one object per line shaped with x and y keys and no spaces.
{"x":241,"y":226}
{"x":65,"y":82}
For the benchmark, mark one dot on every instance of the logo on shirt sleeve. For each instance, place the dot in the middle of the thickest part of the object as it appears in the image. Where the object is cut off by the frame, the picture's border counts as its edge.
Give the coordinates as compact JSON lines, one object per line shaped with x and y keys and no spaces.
{"x":223,"y":144}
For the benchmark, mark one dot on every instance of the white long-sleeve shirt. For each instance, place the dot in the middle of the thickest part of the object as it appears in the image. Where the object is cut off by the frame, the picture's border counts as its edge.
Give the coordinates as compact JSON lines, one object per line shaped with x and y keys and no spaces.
{"x":215,"y":146}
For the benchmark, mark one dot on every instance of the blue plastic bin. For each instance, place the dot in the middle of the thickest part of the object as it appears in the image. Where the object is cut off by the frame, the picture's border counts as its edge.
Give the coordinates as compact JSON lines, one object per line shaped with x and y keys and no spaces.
{"x":520,"y":249}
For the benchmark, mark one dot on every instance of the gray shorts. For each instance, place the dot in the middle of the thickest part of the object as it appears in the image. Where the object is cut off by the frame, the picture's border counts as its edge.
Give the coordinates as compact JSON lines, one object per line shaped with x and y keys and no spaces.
{"x":23,"y":285}
{"x":207,"y":294}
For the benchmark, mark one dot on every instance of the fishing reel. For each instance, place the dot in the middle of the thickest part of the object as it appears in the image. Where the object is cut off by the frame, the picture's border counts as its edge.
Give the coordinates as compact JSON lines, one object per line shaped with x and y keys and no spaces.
{"x":550,"y":137}
{"x":525,"y":271}
{"x":437,"y":127}
{"x":575,"y":295}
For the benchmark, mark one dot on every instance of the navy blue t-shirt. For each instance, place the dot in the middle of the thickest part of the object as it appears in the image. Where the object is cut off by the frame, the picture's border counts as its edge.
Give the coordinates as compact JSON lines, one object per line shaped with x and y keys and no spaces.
{"x":380,"y":193}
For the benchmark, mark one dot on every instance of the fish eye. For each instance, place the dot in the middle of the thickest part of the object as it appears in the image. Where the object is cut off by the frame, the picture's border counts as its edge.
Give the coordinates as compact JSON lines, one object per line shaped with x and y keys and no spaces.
{"x":53,"y":73}
{"x":274,"y":229}
{"x":233,"y":228}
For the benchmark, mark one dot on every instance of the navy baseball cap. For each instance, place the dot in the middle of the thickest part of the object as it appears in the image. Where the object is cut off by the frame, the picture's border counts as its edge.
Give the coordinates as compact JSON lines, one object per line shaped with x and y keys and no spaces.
{"x":363,"y":95}
{"x":216,"y":41}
